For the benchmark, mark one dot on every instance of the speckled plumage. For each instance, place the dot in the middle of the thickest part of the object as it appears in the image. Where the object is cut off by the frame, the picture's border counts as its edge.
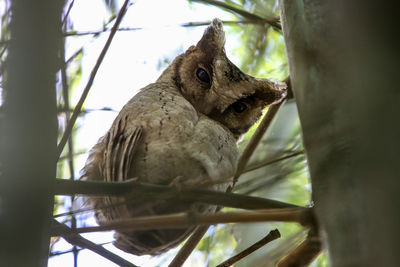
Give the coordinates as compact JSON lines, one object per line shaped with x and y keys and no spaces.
{"x":184,"y":128}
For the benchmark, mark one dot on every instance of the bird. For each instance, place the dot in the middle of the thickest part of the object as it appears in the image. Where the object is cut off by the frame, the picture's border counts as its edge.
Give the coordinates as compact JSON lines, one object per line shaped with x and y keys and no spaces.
{"x":180,"y":130}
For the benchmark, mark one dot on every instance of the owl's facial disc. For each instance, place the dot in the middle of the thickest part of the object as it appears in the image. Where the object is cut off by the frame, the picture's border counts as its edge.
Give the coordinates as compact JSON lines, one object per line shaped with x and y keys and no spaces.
{"x":219,"y":89}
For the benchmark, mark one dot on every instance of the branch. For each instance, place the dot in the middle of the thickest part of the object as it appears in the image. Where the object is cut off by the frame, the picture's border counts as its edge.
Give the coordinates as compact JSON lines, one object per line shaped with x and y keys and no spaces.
{"x":182,"y":220}
{"x":189,"y":246}
{"x":305,"y":253}
{"x":78,"y":240}
{"x":198,"y":234}
{"x":4,"y":49}
{"x":264,"y":164}
{"x":68,"y":187}
{"x":272,"y":235}
{"x":255,"y":139}
{"x":62,"y":109}
{"x":78,"y":107}
{"x":65,"y":94}
{"x":188,"y":24}
{"x":64,"y":20}
{"x":274,"y":22}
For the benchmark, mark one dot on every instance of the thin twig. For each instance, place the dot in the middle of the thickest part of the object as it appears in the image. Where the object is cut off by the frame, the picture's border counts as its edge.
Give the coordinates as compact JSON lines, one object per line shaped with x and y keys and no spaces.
{"x":188,"y":24}
{"x":58,"y":253}
{"x":264,"y":164}
{"x":78,"y":107}
{"x":255,"y":139}
{"x":4,"y":49}
{"x":65,"y":91}
{"x":228,"y":22}
{"x":305,"y":253}
{"x":182,"y":220}
{"x":274,"y":22}
{"x":75,"y":239}
{"x":74,"y":55}
{"x":272,"y":235}
{"x":189,"y":246}
{"x":81,"y":152}
{"x":86,"y":110}
{"x":258,"y":186}
{"x":67,"y":13}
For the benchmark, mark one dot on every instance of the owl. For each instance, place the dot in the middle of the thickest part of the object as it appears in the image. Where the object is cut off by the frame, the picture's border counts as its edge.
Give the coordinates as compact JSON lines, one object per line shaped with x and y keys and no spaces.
{"x":181,"y":129}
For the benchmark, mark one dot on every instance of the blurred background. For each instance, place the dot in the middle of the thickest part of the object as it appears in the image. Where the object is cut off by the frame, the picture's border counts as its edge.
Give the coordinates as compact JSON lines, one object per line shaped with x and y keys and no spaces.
{"x":151,"y":35}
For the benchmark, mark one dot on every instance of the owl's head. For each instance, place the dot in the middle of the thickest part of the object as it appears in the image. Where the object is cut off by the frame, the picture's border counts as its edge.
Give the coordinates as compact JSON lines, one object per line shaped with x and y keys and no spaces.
{"x":217,"y":88}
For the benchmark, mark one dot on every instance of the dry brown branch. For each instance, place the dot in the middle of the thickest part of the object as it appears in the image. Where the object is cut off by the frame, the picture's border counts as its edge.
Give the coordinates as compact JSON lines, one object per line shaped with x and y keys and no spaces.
{"x":182,"y":220}
{"x":78,"y":107}
{"x":189,"y":246}
{"x":305,"y":253}
{"x":78,"y":240}
{"x":272,"y":235}
{"x":255,"y":139}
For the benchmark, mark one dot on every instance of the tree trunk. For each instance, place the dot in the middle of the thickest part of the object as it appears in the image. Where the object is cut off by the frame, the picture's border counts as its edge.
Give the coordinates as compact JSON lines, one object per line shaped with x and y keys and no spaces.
{"x":344,"y":70}
{"x":28,"y":133}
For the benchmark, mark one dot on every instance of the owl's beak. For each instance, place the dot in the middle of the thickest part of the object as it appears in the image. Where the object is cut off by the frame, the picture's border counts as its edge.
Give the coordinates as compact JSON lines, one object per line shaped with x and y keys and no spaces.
{"x":271,"y":92}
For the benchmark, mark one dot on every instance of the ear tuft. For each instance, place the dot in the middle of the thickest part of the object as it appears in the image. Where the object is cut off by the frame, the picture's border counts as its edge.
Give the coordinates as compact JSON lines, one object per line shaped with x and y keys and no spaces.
{"x":213,"y":39}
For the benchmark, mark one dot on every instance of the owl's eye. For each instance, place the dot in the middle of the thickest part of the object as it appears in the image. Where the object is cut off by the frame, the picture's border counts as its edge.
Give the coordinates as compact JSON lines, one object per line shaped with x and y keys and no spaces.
{"x":202,"y":75}
{"x":239,"y":106}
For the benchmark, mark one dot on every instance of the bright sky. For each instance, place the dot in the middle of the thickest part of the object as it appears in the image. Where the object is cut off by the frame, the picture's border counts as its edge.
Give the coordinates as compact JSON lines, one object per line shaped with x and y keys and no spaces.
{"x":130,"y":64}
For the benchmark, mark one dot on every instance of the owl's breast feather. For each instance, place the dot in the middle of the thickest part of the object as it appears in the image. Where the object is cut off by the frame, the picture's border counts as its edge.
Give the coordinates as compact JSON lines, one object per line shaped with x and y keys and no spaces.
{"x":178,"y":141}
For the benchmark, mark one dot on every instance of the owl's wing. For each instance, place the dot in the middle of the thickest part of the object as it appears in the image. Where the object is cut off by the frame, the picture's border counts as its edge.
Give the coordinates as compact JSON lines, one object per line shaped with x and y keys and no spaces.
{"x":120,"y":143}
